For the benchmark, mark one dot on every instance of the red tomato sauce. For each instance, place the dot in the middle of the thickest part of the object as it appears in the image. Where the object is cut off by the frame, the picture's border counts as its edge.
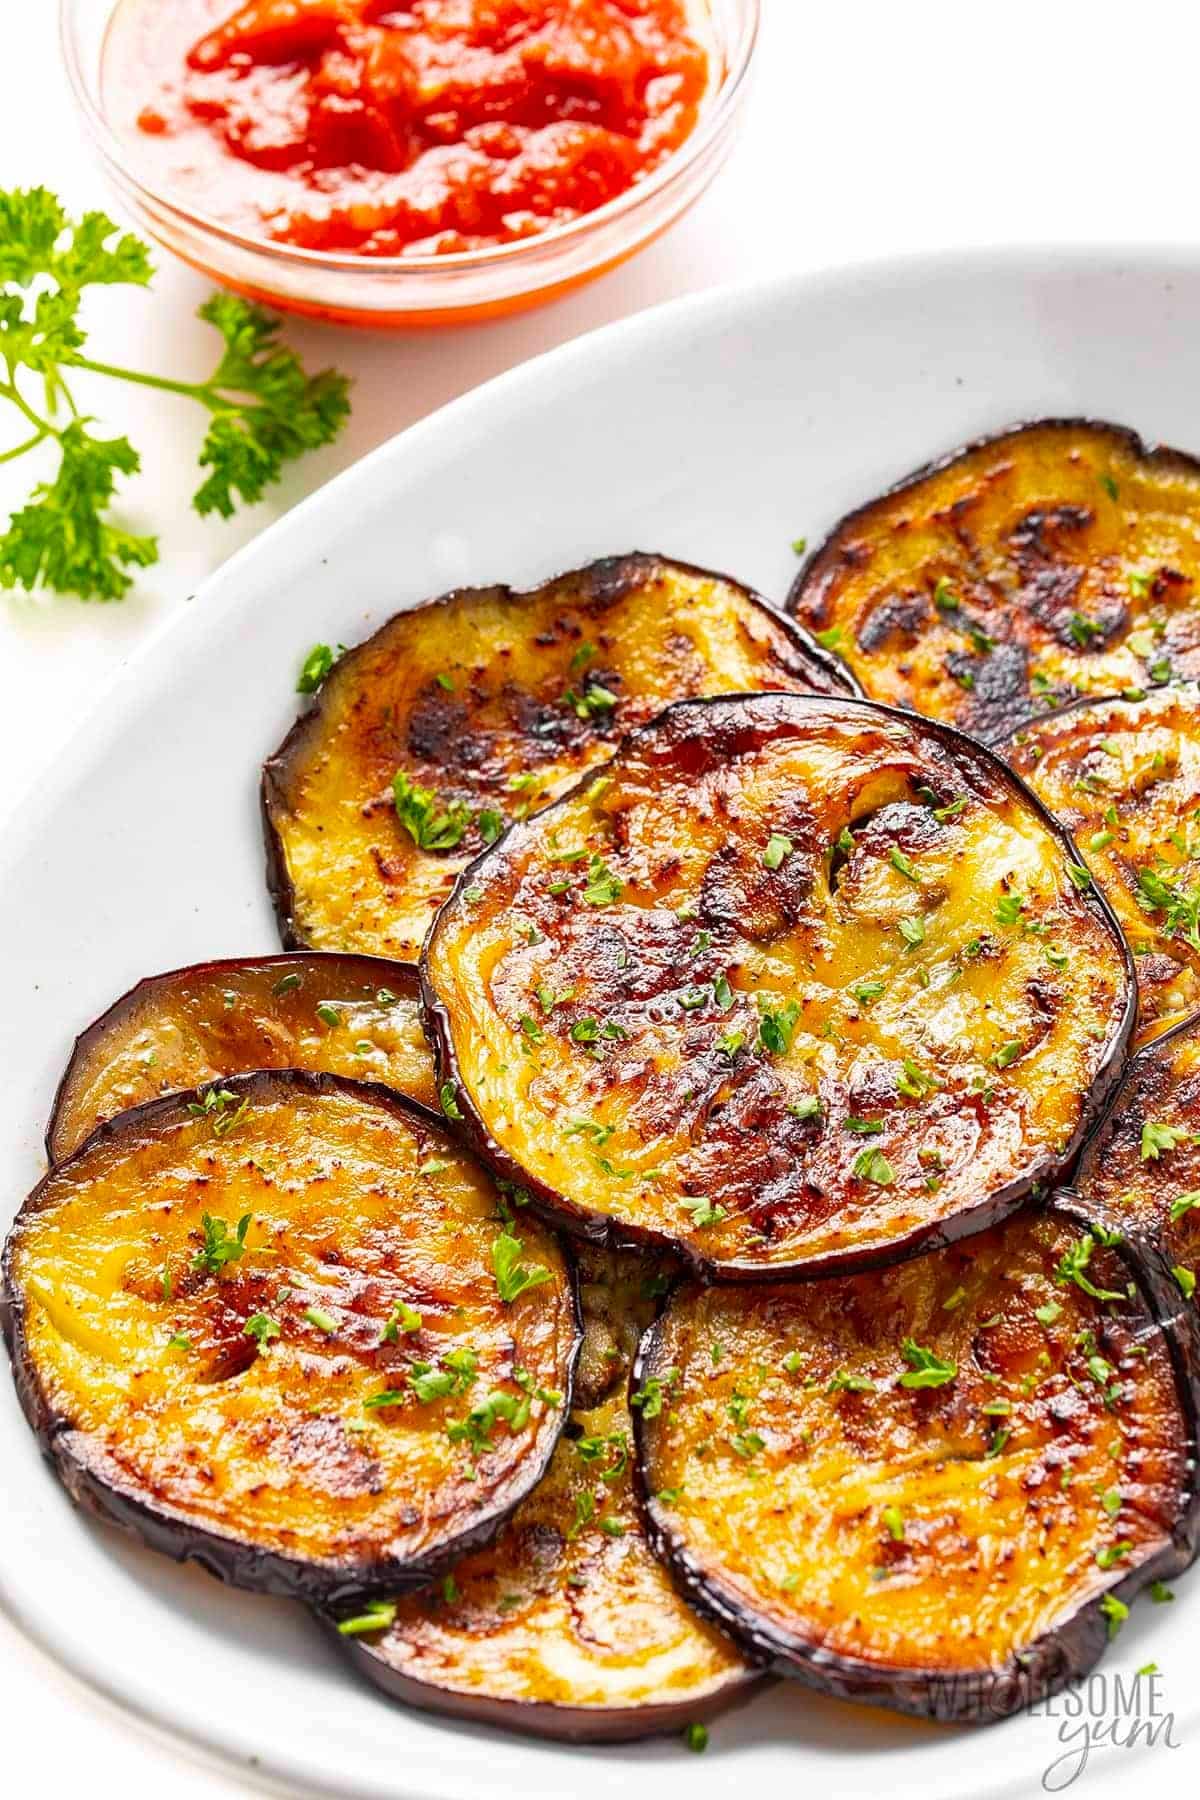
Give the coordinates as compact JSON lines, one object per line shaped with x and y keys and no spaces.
{"x":402,"y":127}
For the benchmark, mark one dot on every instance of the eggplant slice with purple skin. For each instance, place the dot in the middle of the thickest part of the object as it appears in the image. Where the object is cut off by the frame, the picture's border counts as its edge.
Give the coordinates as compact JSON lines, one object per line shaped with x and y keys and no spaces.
{"x":346,"y":1015}
{"x":1057,"y":558}
{"x":1123,"y":775}
{"x":480,"y":707}
{"x":1140,"y":1169}
{"x":797,"y":985}
{"x":276,"y":1327}
{"x":937,"y":1488}
{"x":566,"y":1626}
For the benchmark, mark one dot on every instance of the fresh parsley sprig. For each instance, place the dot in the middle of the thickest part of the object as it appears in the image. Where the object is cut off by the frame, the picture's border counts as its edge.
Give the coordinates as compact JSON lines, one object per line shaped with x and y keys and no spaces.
{"x":264,"y":409}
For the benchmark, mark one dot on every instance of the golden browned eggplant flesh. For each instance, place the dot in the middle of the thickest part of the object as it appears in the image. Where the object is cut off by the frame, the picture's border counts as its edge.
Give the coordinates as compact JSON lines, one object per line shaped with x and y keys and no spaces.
{"x":1141,"y":1167}
{"x":1124,"y":778}
{"x":479,"y":708}
{"x":938,"y":1487}
{"x":566,"y":1625}
{"x":798,"y":983}
{"x":278,"y":1327}
{"x":1053,"y":560}
{"x":346,"y":1015}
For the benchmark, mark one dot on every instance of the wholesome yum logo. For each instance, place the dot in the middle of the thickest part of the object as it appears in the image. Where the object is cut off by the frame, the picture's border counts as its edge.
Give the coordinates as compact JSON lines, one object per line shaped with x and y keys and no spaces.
{"x":1104,"y":1713}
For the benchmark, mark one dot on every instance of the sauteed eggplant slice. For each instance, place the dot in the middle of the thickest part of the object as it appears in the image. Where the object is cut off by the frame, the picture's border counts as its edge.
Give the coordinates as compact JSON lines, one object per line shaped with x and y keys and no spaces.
{"x":1124,"y":778}
{"x":566,"y":1625}
{"x":938,"y":1487}
{"x":1056,"y":559}
{"x":349,"y":1015}
{"x":796,"y":984}
{"x":1141,"y":1167}
{"x":277,"y":1327}
{"x":478,"y":708}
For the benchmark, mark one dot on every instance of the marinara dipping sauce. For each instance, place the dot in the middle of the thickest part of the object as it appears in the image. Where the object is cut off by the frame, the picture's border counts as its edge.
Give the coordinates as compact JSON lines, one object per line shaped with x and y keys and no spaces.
{"x":403,"y":127}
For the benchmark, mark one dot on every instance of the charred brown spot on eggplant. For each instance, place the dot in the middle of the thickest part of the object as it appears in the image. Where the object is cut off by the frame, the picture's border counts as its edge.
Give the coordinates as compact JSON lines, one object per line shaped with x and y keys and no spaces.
{"x":938,"y":1487}
{"x":1056,"y":559}
{"x":1141,"y":1167}
{"x":566,"y":1625}
{"x":277,"y":1326}
{"x":1123,"y":775}
{"x":346,"y":1015}
{"x":796,"y":984}
{"x":478,"y":709}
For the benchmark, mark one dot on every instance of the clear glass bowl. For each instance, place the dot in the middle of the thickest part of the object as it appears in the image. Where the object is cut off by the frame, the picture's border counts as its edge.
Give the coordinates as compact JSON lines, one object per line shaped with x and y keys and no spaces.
{"x":421,"y":290}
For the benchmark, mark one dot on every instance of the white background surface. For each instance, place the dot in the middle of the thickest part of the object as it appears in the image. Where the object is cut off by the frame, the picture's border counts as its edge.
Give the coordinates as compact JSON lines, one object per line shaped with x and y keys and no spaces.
{"x":871,"y":129}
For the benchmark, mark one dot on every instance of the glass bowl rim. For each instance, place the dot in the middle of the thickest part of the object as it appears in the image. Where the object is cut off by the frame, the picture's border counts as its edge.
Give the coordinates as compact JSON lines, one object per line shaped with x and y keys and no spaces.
{"x":712,"y":123}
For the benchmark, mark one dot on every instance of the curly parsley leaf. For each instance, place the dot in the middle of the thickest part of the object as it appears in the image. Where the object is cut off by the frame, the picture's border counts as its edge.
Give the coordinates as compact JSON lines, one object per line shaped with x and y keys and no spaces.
{"x":651,"y":1397}
{"x":430,"y":825}
{"x":316,"y":667}
{"x":61,"y":538}
{"x":873,"y":1166}
{"x":1074,"y":1266}
{"x":221,"y":1246}
{"x":1158,"y":1137}
{"x":265,"y":409}
{"x":262,"y":1328}
{"x":512,"y":1277}
{"x":926,"y":1369}
{"x":777,"y":1025}
{"x":38,"y":239}
{"x":1180,"y":906}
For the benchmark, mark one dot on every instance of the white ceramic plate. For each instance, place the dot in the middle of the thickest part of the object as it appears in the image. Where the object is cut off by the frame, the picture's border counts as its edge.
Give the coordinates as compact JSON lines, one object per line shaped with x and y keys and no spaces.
{"x":717,"y":430}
